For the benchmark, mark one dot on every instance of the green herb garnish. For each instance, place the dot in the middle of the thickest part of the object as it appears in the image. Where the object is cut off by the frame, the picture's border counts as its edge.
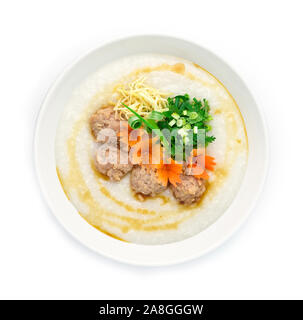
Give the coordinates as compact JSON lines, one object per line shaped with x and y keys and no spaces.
{"x":183,"y":115}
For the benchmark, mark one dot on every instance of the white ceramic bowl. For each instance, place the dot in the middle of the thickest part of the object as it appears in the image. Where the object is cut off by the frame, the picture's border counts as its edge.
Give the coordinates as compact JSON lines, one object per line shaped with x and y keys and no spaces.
{"x":150,"y":255}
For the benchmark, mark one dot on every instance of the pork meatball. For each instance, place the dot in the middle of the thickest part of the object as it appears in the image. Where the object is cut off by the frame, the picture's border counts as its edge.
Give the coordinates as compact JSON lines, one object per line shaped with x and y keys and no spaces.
{"x":189,"y":190}
{"x":102,"y":119}
{"x":105,"y":163}
{"x":144,"y":181}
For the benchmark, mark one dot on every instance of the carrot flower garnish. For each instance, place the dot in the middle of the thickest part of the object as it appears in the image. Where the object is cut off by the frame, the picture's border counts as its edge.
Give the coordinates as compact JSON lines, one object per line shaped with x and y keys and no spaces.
{"x":198,"y":162}
{"x":169,"y":172}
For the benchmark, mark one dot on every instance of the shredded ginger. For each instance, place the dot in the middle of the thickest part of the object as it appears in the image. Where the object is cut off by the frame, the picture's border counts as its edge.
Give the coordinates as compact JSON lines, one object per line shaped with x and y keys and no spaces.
{"x":140,"y":97}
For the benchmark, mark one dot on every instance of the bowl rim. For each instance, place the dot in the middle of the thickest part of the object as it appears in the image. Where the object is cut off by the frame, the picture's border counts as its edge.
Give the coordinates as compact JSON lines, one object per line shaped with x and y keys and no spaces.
{"x":138,"y":247}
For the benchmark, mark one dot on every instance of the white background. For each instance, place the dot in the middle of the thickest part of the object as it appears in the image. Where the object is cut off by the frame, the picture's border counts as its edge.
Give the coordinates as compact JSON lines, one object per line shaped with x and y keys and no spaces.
{"x":262,"y":40}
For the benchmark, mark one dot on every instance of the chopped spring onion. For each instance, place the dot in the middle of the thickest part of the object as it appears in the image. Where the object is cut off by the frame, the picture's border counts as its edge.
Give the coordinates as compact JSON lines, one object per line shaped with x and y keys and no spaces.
{"x":185,"y":112}
{"x":175,"y":115}
{"x":180,"y":122}
{"x":193,"y":115}
{"x":195,"y":129}
{"x":134,"y":122}
{"x":172,"y":122}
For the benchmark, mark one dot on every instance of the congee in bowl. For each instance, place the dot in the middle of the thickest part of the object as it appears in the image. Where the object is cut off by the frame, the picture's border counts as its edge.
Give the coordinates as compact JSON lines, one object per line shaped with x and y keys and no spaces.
{"x":151,"y":149}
